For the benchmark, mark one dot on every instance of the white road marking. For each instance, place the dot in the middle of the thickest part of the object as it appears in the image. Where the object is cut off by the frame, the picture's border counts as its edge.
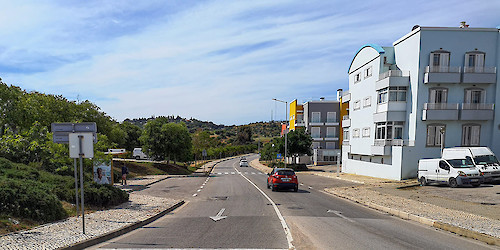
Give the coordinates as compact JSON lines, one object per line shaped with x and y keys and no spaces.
{"x":288,"y":233}
{"x":310,"y":187}
{"x":199,"y":190}
{"x":201,"y":187}
{"x":226,"y":173}
{"x":339,"y":214}
{"x":253,"y":172}
{"x":232,"y":173}
{"x":246,"y":172}
{"x":219,"y":216}
{"x":194,"y":195}
{"x":302,"y":184}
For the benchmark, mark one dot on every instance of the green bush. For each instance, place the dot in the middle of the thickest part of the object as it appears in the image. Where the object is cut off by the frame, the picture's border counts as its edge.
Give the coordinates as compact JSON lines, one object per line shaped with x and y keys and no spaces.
{"x":104,"y":195}
{"x":29,"y":199}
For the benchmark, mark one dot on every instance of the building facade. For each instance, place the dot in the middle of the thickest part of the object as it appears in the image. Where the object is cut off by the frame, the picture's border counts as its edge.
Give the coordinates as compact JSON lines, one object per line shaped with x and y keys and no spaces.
{"x":434,"y":85}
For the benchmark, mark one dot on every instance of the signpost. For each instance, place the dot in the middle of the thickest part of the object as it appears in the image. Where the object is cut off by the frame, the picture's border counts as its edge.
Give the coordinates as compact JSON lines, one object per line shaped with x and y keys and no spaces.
{"x":81,"y":138}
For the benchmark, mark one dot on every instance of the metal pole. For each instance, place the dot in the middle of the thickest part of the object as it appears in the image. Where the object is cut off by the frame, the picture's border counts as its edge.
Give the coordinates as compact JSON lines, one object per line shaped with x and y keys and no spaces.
{"x":442,"y":141}
{"x":338,"y":164}
{"x":76,"y":186}
{"x":80,"y":137}
{"x":286,"y":129}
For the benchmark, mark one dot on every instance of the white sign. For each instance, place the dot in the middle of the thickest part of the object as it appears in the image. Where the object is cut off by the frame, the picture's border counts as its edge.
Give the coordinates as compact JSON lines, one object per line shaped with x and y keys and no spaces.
{"x":102,"y":174}
{"x":87,"y":144}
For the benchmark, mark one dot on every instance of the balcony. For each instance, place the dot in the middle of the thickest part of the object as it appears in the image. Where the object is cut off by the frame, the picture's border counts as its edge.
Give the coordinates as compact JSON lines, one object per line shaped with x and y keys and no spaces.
{"x":332,"y":122}
{"x":384,"y":147}
{"x":445,"y":74}
{"x":393,"y":78}
{"x":346,"y":122}
{"x":332,"y":137}
{"x":316,"y":122}
{"x":299,"y":123}
{"x":346,"y":96}
{"x":477,"y":111}
{"x":479,"y":75}
{"x":440,"y":112}
{"x":390,"y":111}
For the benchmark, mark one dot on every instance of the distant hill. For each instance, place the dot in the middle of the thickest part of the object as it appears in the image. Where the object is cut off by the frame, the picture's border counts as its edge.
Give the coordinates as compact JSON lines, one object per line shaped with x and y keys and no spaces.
{"x":192,"y":124}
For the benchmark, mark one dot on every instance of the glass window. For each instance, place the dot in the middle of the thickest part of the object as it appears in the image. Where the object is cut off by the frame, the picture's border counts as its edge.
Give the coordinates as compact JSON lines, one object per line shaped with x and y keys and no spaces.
{"x":382,"y":95}
{"x":357,"y":78}
{"x":366,"y":132}
{"x":470,"y":135}
{"x":346,"y":134}
{"x":355,"y":133}
{"x":357,"y":105}
{"x":315,"y":132}
{"x":475,"y":96}
{"x":316,"y":117}
{"x":331,"y":145}
{"x":438,"y":95}
{"x":315,"y":145}
{"x":434,"y":134}
{"x":368,"y":72}
{"x":367,"y":102}
{"x":331,"y":117}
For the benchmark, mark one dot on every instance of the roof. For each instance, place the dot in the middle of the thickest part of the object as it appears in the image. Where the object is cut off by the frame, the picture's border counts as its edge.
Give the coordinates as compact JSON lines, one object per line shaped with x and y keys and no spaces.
{"x":376,"y":47}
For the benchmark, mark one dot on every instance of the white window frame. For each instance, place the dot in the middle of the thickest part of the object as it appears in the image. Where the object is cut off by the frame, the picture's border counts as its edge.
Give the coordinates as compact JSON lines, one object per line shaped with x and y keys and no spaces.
{"x":357,"y":78}
{"x":366,"y":132}
{"x":367,"y":102}
{"x":471,"y":98}
{"x":313,"y":132}
{"x":438,"y":95}
{"x":331,"y":117}
{"x":357,"y":105}
{"x":345,"y":134}
{"x":355,"y":133}
{"x":315,"y":115}
{"x":387,"y":130}
{"x":440,"y":61}
{"x":471,"y":135}
{"x":368,"y":72}
{"x":397,"y":94}
{"x":433,"y":138}
{"x":474,"y":62}
{"x":382,"y":95}
{"x":329,"y":133}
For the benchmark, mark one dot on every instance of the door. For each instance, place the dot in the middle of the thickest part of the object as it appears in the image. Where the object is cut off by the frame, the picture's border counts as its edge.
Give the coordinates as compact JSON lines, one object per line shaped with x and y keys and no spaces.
{"x":443,"y":171}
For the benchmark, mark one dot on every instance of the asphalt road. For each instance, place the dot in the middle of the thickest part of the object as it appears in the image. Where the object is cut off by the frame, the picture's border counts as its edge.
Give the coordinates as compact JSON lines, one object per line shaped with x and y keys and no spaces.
{"x":254,"y":218}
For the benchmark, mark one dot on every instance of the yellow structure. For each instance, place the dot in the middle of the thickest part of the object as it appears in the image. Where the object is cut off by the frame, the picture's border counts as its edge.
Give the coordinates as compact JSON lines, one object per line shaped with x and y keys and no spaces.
{"x":296,"y":115}
{"x":344,"y":113}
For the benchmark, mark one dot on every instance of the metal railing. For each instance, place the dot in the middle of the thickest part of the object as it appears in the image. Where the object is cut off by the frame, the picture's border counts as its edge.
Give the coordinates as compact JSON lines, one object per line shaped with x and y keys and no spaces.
{"x":442,"y":69}
{"x":332,"y":136}
{"x":486,"y":70}
{"x":393,"y":142}
{"x":299,"y":121}
{"x":441,"y":106}
{"x":315,"y":121}
{"x":334,"y":120}
{"x":393,"y":73}
{"x":346,"y":143}
{"x":478,"y":106}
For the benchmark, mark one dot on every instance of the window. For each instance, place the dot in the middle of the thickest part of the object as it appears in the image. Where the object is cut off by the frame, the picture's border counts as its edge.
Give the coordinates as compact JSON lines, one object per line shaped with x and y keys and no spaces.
{"x":470,"y":135}
{"x":315,"y":132}
{"x":357,"y":78}
{"x":315,"y":145}
{"x":397,"y":94}
{"x":331,"y":145}
{"x":357,"y":105}
{"x":346,"y":134}
{"x":355,"y":133}
{"x":434,"y":134}
{"x":368,"y":72}
{"x":329,"y":158}
{"x":331,"y":117}
{"x":316,"y":117}
{"x":300,"y":118}
{"x":475,"y":96}
{"x":389,"y":131}
{"x":367,"y":102}
{"x":366,"y":132}
{"x":438,"y":95}
{"x":440,"y":61}
{"x":382,"y":95}
{"x":474,"y":62}
{"x":331,"y":132}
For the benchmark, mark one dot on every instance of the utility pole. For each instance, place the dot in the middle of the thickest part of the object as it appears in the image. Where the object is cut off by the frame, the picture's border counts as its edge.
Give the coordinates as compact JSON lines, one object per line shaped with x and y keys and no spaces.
{"x":286,"y":124}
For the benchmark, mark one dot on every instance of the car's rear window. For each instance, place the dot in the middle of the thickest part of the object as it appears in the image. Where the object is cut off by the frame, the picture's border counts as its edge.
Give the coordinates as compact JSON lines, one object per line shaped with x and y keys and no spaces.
{"x":286,"y":172}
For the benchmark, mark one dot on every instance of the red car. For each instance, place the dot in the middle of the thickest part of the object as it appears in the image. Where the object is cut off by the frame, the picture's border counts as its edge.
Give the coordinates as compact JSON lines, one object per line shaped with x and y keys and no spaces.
{"x":283,"y":178}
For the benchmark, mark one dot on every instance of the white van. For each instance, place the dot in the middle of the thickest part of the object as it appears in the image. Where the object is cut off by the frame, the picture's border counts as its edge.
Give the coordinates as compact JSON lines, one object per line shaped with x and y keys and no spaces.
{"x":482,"y":157}
{"x":138,"y":154}
{"x":454,"y":172}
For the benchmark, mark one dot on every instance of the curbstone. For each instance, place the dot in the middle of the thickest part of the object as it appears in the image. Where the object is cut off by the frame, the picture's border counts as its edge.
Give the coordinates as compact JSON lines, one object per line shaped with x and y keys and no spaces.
{"x":121,"y":231}
{"x":490,"y":240}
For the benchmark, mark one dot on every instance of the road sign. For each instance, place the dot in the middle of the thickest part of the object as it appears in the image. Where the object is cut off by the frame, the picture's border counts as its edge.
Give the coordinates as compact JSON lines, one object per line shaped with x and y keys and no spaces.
{"x":278,"y":156}
{"x":61,"y":131}
{"x":81,"y":144}
{"x":204,"y":153}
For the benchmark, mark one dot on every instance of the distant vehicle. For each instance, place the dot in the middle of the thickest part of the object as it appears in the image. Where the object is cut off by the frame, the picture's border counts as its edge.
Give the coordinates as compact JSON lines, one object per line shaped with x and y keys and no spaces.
{"x":243,"y":163}
{"x":138,"y":154}
{"x":116,"y":151}
{"x":283,"y":178}
{"x":482,"y":158}
{"x":454,"y":172}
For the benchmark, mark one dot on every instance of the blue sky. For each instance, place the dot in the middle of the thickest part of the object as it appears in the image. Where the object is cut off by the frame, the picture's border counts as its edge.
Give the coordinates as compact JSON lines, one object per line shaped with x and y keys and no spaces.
{"x":222,"y":61}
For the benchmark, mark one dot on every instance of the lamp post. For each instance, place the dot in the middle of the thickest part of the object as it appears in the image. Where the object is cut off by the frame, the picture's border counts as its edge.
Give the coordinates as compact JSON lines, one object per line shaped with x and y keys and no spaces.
{"x":286,"y":125}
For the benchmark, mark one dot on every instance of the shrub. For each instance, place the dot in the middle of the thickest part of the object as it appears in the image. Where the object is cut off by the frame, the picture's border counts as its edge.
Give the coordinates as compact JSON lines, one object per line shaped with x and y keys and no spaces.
{"x":29,"y":199}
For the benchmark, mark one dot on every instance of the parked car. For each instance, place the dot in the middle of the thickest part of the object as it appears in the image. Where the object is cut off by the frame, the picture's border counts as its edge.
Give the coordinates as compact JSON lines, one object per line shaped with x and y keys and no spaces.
{"x":283,"y":178}
{"x":138,"y":154}
{"x":454,"y":172}
{"x":482,"y":158}
{"x":243,"y":163}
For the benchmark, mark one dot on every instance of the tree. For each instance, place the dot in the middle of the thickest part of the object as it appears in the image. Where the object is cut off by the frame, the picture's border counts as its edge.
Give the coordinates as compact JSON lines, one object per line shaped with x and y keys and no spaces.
{"x":164,"y":140}
{"x":244,"y":135}
{"x":133,"y":133}
{"x":299,"y":142}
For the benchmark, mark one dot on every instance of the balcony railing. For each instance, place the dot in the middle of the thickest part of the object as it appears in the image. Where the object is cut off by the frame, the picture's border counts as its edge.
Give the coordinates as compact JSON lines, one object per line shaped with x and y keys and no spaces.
{"x":478,"y":106}
{"x":393,"y":73}
{"x":441,"y":106}
{"x":442,"y":69}
{"x":393,"y":142}
{"x":316,"y":121}
{"x":345,"y":117}
{"x":332,"y":136}
{"x":487,"y":70}
{"x":332,"y":120}
{"x":299,"y":121}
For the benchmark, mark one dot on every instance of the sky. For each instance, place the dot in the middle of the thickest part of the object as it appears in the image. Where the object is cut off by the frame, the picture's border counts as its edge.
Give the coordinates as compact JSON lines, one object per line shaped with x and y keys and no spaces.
{"x":220,"y":61}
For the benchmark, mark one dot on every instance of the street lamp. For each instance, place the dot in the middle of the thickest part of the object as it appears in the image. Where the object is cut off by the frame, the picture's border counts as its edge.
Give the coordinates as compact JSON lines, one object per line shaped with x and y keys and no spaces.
{"x":286,"y":127}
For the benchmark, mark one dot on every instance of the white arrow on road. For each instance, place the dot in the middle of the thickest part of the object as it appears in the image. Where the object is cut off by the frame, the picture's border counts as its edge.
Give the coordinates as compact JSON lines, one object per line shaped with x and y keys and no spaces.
{"x":339,"y":214}
{"x":219,"y":216}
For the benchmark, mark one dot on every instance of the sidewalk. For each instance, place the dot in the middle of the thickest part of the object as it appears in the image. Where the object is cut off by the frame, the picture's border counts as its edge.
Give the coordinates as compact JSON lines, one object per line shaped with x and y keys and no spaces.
{"x":100,"y":225}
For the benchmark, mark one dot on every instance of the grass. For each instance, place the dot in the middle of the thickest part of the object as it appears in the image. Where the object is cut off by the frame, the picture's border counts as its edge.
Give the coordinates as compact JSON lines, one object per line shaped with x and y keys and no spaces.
{"x":10,"y":224}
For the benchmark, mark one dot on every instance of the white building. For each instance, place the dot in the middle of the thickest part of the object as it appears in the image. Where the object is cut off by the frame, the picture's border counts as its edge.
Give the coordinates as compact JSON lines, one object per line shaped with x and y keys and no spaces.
{"x":401,"y":98}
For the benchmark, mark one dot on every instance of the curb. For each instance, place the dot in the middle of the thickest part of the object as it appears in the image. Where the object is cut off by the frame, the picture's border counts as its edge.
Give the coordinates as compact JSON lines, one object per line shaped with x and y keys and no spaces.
{"x":488,"y":239}
{"x":121,"y":231}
